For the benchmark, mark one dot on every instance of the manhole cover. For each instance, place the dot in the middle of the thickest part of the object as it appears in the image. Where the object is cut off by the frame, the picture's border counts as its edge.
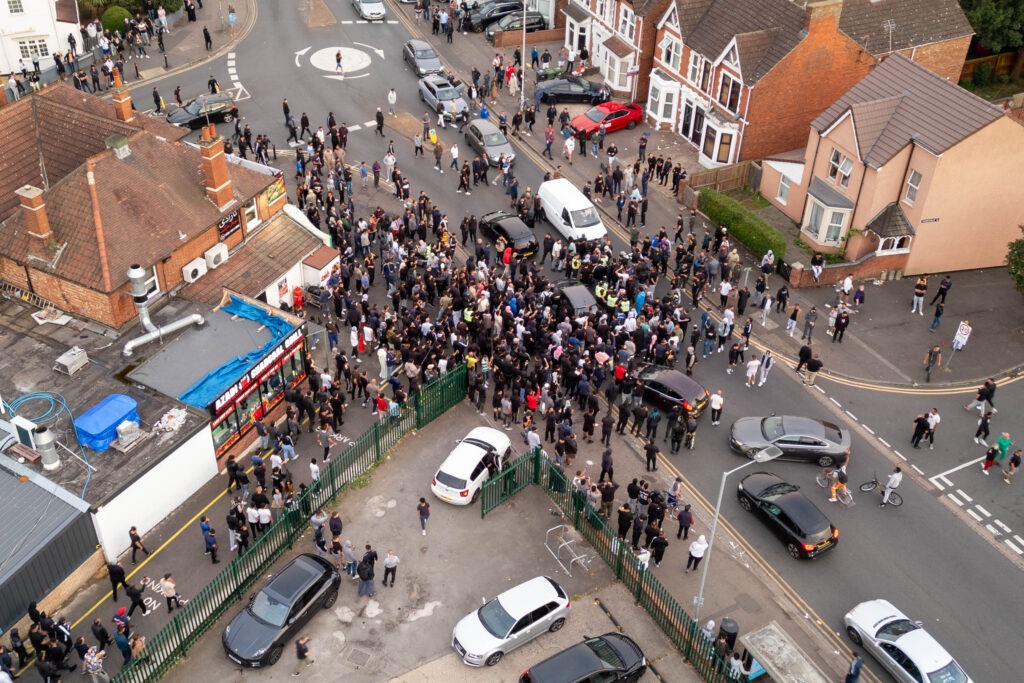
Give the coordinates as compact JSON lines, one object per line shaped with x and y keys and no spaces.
{"x":358,"y":657}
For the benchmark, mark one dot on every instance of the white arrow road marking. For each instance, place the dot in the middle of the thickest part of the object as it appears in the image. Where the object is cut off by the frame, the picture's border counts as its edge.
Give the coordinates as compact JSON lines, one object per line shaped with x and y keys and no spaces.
{"x":380,"y":53}
{"x":299,"y":54}
{"x":339,"y":77}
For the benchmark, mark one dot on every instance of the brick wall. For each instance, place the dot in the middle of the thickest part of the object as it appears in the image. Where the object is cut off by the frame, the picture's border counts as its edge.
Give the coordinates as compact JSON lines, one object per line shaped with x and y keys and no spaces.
{"x":75,"y":298}
{"x":945,"y":58}
{"x":13,"y":273}
{"x":196,"y":248}
{"x":869,"y":267}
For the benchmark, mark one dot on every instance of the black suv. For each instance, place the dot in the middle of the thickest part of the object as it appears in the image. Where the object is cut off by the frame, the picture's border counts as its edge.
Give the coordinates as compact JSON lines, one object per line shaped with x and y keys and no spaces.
{"x":492,"y":12}
{"x":799,"y":524}
{"x":609,"y":658}
{"x":257,"y":635}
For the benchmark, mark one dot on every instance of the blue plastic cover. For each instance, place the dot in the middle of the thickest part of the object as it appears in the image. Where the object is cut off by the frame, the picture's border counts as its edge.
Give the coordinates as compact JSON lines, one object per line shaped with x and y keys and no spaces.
{"x":97,"y":427}
{"x":207,"y":389}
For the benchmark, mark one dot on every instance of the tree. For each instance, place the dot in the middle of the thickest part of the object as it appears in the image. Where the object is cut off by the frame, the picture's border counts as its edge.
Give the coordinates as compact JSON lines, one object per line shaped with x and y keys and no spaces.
{"x":1015,"y":262}
{"x":999,"y":25}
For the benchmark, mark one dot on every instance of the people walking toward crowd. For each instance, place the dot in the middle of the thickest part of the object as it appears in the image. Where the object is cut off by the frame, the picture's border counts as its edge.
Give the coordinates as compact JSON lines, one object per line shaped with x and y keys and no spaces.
{"x":423,"y":512}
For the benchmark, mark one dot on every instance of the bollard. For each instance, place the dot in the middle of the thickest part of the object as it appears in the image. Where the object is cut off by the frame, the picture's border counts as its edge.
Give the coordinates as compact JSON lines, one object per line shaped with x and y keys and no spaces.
{"x":167,"y":64}
{"x":137,"y":76}
{"x":275,"y":152}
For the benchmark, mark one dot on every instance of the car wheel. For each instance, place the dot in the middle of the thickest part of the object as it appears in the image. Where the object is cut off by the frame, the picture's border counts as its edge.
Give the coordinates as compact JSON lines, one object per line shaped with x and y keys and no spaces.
{"x":557,"y":625}
{"x":476,"y":496}
{"x":228,"y":118}
{"x":275,"y":654}
{"x":745,"y":504}
{"x":494,"y":659}
{"x":825,"y":461}
{"x":854,"y":635}
{"x":330,"y":598}
{"x":631,"y":125}
{"x":793,"y":550}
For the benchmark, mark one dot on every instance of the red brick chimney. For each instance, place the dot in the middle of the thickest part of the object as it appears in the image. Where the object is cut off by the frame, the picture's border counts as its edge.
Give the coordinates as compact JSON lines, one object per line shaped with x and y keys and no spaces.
{"x":823,"y":16}
{"x":215,"y":168}
{"x":122,"y":99}
{"x":32,"y":204}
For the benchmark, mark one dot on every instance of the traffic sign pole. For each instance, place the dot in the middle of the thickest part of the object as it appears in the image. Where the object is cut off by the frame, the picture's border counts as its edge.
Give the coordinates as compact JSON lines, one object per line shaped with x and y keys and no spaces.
{"x":963,"y":333}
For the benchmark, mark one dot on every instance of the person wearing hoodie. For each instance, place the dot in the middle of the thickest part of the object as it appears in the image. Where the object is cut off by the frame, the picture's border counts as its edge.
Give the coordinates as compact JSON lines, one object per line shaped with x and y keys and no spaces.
{"x":697,"y":550}
{"x":351,"y":561}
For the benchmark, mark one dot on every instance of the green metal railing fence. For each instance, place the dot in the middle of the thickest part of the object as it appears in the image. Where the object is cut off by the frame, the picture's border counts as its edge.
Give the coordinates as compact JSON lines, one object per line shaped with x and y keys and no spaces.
{"x":164,"y":649}
{"x":664,"y":609}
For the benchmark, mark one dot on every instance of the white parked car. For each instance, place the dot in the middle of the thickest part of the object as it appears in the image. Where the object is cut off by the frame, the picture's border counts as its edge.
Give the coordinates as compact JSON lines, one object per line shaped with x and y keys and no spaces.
{"x":515,"y":617}
{"x":371,"y":10}
{"x":902,"y":646}
{"x":462,"y":474}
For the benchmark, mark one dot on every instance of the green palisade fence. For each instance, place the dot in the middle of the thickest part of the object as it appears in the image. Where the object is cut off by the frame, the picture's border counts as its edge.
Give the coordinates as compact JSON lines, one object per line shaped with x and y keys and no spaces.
{"x":173,"y":642}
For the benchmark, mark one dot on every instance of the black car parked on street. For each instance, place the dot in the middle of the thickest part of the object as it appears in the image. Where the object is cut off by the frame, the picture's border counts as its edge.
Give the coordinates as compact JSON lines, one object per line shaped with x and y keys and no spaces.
{"x":799,"y":524}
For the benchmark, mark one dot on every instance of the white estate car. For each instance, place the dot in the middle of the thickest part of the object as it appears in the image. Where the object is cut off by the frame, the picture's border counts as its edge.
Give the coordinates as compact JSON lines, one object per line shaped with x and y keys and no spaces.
{"x":462,"y":474}
{"x":902,"y":646}
{"x":515,"y":617}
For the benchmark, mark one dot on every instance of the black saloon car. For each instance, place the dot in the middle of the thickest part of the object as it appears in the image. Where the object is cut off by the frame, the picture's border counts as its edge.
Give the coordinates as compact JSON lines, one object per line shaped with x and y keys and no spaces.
{"x":258,"y":634}
{"x":610,"y":658}
{"x":802,"y":439}
{"x":510,"y":228}
{"x":219,"y":108}
{"x":667,"y":387}
{"x":799,"y":524}
{"x":572,"y":89}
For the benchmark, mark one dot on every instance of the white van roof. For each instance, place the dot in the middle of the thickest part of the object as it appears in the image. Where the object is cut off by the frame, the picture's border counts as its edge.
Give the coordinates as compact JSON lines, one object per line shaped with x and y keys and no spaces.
{"x":570,"y":196}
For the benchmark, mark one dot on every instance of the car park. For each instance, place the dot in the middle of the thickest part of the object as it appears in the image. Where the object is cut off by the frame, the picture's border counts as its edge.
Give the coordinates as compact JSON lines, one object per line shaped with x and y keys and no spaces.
{"x":613,"y":115}
{"x":259,"y":633}
{"x":510,"y":620}
{"x":801,"y":439}
{"x":799,"y":524}
{"x":572,"y":89}
{"x":421,"y":57}
{"x":488,"y":141}
{"x":204,"y":109}
{"x":902,"y":646}
{"x":535,"y":21}
{"x":490,"y":13}
{"x":569,"y":210}
{"x":442,"y":95}
{"x":510,"y":228}
{"x":667,"y":387}
{"x":611,"y":658}
{"x":471,"y":463}
{"x":370,"y":10}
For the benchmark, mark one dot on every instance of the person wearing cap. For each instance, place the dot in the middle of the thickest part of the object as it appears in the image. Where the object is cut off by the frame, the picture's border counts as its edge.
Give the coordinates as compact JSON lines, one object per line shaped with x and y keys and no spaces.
{"x":170,"y":591}
{"x":122,"y":620}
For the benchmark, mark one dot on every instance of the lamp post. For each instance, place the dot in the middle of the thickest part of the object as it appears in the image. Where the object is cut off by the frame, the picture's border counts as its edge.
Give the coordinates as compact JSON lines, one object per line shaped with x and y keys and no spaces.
{"x":522,"y":64}
{"x":764,"y":455}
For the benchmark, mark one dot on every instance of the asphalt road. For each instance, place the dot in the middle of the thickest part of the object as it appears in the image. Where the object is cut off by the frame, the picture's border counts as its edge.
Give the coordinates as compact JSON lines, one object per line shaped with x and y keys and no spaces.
{"x":934,"y":564}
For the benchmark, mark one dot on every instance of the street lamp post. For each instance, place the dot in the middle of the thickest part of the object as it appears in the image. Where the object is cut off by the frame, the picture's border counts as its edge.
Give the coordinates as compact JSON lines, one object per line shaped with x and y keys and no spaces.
{"x":764,"y":455}
{"x":522,"y":64}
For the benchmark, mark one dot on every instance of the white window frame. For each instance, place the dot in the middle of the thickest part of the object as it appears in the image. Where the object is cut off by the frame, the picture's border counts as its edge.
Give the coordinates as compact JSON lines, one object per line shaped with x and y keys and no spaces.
{"x":734,"y":85}
{"x":894,"y":245}
{"x":627,"y":22}
{"x":913,"y":187}
{"x":15,"y":7}
{"x":782,"y":195}
{"x":668,"y":105}
{"x":37,"y":46}
{"x":840,"y":167}
{"x":827,"y":217}
{"x":152,"y":283}
{"x":252,"y":216}
{"x":809,"y":226}
{"x":662,"y":99}
{"x":671,"y":53}
{"x":836,"y":220}
{"x":732,"y":57}
{"x":602,"y":7}
{"x":693,"y":70}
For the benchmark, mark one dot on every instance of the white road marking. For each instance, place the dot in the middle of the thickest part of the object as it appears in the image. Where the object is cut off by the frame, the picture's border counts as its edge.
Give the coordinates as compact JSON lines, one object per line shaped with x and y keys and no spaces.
{"x":370,"y":123}
{"x":852,"y":416}
{"x":1002,"y":526}
{"x":966,"y":497}
{"x":960,"y":467}
{"x":231,"y":55}
{"x":917,"y":469}
{"x":354,"y":128}
{"x":899,"y":455}
{"x":232,"y":72}
{"x":939,"y":486}
{"x":348,"y":22}
{"x":944,"y":481}
{"x":838,"y":404}
{"x":1018,"y":539}
{"x":869,"y":430}
{"x":983,"y":511}
{"x":1013,"y":547}
{"x":884,"y":442}
{"x":955,"y":499}
{"x":820,"y":390}
{"x":972,"y":513}
{"x":993,"y":530}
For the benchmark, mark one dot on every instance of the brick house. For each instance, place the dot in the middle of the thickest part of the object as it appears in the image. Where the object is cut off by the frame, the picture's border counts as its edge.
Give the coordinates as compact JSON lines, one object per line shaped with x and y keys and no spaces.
{"x":88,"y":188}
{"x":907,"y":171}
{"x":620,"y":36}
{"x":741,"y":79}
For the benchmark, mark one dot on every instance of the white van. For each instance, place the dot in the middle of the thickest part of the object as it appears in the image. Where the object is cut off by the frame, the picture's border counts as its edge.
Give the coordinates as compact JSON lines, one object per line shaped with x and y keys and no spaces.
{"x":570,"y":211}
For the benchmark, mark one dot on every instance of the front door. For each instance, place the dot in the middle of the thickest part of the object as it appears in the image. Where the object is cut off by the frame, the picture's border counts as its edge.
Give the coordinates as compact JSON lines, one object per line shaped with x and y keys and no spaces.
{"x":698,"y":126}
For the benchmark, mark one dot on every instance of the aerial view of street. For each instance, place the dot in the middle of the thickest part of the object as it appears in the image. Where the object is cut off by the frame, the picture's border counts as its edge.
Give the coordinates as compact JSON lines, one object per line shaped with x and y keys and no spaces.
{"x":588,"y":340}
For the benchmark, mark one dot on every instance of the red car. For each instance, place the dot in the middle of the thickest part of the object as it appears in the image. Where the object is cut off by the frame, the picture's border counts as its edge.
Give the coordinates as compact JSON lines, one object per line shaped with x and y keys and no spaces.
{"x":615,"y":116}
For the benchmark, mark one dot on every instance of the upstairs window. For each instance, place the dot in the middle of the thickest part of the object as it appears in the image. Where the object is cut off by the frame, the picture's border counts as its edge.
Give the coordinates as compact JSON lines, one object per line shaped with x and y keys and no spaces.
{"x":729,"y":93}
{"x":671,"y":52}
{"x":913,"y":185}
{"x":840,"y":168}
{"x":627,"y":22}
{"x":705,"y":76}
{"x":693,"y":74}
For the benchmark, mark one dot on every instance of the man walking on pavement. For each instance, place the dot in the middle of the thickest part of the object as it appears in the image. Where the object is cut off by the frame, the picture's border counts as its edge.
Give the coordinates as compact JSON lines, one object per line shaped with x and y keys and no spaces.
{"x":211,"y":544}
{"x":117,"y":576}
{"x":136,"y":541}
{"x":438,"y":154}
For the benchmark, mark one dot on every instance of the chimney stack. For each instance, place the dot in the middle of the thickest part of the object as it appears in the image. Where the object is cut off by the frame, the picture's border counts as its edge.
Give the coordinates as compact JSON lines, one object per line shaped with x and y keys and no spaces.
{"x":215,"y":168}
{"x":823,"y":15}
{"x":122,"y":99}
{"x":32,"y":204}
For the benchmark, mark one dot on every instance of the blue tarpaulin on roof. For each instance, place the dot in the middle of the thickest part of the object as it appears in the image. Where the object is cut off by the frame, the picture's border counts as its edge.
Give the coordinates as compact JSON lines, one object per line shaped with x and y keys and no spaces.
{"x":203,"y":392}
{"x":97,"y":427}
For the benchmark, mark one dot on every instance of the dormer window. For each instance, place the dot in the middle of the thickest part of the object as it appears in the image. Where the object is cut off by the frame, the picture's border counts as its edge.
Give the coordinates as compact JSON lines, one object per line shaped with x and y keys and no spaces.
{"x":732,"y":58}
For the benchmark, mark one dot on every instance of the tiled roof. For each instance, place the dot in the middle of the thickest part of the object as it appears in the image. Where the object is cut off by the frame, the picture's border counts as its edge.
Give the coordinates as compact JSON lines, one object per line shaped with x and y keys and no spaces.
{"x":751,"y":47}
{"x":709,"y":25}
{"x":890,"y":222}
{"x":145,"y":202}
{"x":643,"y":7}
{"x":576,"y":12}
{"x":273,"y":250}
{"x":828,"y":195}
{"x":915,"y":23}
{"x":51,"y":133}
{"x":900,"y":101}
{"x":619,"y":47}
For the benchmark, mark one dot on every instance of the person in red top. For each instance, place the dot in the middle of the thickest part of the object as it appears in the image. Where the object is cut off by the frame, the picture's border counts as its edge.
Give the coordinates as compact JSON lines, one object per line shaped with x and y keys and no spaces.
{"x":620,"y":372}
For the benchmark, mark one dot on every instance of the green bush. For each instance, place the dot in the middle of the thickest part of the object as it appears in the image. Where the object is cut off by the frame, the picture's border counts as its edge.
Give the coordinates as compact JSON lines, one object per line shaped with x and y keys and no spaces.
{"x":744,"y":225}
{"x":982,"y":74}
{"x":113,"y":18}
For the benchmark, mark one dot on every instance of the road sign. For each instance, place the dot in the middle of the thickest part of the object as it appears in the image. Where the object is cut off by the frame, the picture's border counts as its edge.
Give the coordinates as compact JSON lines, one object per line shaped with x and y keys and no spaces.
{"x":963,"y":333}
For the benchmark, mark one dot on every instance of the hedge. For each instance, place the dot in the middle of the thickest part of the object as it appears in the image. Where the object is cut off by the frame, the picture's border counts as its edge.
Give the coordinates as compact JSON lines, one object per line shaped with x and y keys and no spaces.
{"x":744,"y":225}
{"x":113,"y":18}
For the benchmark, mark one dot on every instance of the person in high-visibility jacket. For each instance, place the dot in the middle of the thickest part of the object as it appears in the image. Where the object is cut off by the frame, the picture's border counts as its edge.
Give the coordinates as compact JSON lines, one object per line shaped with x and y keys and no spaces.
{"x":612,"y":300}
{"x":600,"y":291}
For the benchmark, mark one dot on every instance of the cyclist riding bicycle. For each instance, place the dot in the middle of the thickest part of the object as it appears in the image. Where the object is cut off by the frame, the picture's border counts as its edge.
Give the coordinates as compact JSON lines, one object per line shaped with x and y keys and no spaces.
{"x":838,"y":482}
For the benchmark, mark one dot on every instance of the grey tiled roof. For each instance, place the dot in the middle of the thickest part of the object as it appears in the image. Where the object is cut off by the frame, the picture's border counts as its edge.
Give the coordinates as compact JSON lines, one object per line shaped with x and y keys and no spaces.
{"x":828,"y":195}
{"x":890,"y":222}
{"x":915,"y":22}
{"x":900,"y":101}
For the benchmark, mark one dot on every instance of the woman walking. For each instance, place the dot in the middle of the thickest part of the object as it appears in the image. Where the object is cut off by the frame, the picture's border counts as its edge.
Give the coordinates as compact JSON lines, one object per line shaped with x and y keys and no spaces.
{"x":697,"y":550}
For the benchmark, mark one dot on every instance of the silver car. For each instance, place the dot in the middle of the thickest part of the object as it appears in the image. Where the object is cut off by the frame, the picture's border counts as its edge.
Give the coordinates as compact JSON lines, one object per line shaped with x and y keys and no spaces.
{"x":371,"y":10}
{"x":441,"y":95}
{"x":515,"y":617}
{"x":421,"y":57}
{"x":488,"y":141}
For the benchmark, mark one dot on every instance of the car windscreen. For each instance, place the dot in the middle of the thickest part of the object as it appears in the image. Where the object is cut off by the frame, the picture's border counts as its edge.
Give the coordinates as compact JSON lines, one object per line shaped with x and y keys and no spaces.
{"x":951,"y":673}
{"x":425,"y":53}
{"x":894,"y":629}
{"x":595,"y":115}
{"x":522,"y":242}
{"x":832,"y":432}
{"x":604,"y":652}
{"x":495,"y":139}
{"x":193,"y":107}
{"x":771,"y":427}
{"x":495,"y":619}
{"x":446,"y":94}
{"x":775,"y":491}
{"x":267,"y":609}
{"x":449,"y":480}
{"x":584,"y":218}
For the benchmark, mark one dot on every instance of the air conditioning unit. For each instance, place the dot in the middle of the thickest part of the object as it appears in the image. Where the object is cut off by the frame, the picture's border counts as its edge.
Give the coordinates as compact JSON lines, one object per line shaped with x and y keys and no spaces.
{"x":216,"y":255}
{"x":195,"y":269}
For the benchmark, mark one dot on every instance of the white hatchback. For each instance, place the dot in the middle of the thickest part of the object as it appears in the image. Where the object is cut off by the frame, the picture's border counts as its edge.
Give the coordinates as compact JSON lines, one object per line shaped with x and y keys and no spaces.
{"x":476,"y":457}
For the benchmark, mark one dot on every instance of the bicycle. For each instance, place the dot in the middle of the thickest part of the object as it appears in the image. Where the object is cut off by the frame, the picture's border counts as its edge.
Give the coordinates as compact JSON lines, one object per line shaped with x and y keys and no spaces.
{"x":826,"y":477}
{"x":689,"y":439}
{"x":895,"y":499}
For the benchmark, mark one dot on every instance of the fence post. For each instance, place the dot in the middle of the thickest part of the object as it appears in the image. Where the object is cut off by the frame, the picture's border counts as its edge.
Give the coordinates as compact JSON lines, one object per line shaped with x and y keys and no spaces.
{"x":621,"y":547}
{"x":376,"y":441}
{"x":536,"y":464}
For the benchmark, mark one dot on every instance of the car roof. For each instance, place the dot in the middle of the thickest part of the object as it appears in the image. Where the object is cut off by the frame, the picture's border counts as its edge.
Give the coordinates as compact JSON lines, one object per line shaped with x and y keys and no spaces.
{"x":437,"y":79}
{"x":295,"y":578}
{"x":514,"y":227}
{"x":417,"y":44}
{"x":577,"y":294}
{"x":673,"y":379}
{"x":920,"y":645}
{"x":797,"y":424}
{"x":467,"y":454}
{"x":569,"y":664}
{"x":520,"y":600}
{"x":485,"y":126}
